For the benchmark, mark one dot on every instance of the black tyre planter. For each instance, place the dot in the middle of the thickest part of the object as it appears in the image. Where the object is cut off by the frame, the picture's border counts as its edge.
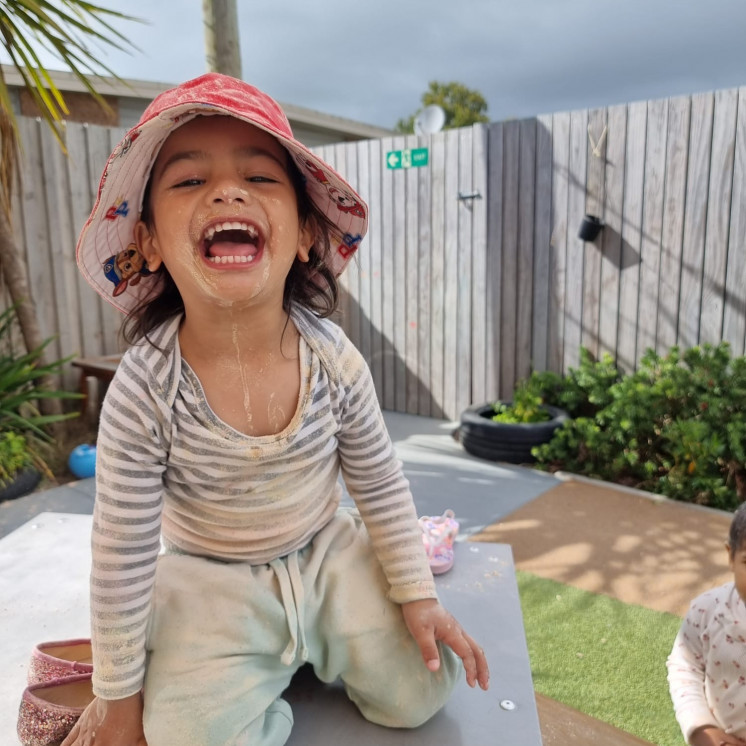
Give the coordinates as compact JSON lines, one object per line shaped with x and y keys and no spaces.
{"x":481,"y":436}
{"x":22,"y":484}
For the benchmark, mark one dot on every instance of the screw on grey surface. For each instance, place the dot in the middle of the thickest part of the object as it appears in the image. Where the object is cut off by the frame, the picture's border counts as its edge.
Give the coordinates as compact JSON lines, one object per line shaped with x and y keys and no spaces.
{"x":507,"y":704}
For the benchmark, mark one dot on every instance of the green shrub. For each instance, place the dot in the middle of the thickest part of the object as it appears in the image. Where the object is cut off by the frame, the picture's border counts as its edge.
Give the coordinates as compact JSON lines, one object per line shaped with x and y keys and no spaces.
{"x":525,"y":407}
{"x":14,"y":456}
{"x":676,"y":426}
{"x":22,"y":425}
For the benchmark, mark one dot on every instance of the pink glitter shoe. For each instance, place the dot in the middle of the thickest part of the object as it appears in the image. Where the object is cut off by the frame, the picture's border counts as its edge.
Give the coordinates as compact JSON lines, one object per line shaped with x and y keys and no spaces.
{"x":438,"y":535}
{"x":49,"y":711}
{"x":56,"y":660}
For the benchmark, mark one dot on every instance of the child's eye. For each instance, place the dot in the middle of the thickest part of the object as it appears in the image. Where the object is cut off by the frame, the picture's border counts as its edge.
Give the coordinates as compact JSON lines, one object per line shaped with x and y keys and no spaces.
{"x":187,"y":183}
{"x":260,"y":179}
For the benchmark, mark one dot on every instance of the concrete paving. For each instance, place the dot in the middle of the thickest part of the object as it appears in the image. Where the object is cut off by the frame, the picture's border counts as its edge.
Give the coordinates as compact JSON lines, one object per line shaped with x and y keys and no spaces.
{"x":45,"y":560}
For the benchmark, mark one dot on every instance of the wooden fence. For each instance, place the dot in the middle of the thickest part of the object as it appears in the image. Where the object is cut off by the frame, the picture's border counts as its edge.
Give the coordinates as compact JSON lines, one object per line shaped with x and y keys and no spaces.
{"x":472,"y":274}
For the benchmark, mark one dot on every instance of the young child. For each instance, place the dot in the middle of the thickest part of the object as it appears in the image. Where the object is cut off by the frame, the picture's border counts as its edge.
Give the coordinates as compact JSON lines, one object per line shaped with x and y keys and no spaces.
{"x":222,"y":436}
{"x":707,"y":666}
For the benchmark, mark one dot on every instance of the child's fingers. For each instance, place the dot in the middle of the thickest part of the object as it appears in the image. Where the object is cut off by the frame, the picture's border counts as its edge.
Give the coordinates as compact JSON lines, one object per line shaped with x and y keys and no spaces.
{"x":483,"y":670}
{"x":426,"y":641}
{"x":456,"y":640}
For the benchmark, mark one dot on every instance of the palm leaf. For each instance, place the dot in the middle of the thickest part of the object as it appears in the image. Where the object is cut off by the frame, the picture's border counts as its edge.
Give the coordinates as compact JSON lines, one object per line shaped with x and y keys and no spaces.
{"x":66,"y":29}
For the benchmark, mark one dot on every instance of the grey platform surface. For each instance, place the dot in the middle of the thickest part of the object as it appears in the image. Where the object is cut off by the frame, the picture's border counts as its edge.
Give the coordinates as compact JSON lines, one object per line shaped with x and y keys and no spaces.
{"x":44,"y":568}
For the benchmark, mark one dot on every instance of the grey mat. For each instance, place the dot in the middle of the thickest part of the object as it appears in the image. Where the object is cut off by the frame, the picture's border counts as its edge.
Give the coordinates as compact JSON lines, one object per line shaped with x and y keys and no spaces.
{"x":44,"y":568}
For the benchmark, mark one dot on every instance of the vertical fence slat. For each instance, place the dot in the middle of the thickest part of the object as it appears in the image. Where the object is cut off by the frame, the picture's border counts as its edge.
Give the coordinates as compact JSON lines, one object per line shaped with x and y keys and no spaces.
{"x":464,"y":272}
{"x":695,"y":219}
{"x":594,"y":202}
{"x":36,"y":231}
{"x":479,"y":339}
{"x":652,"y":224}
{"x":422,"y":315}
{"x":412,"y":280}
{"x":450,"y":336}
{"x":348,"y":155}
{"x":542,"y":239}
{"x":611,"y":236}
{"x":375,"y":244}
{"x":734,"y":313}
{"x":494,"y":257}
{"x":61,"y":231}
{"x":575,"y":246}
{"x":438,"y":270}
{"x":387,"y":278}
{"x":677,"y":162}
{"x":509,"y":273}
{"x":629,"y":280}
{"x":718,"y":216}
{"x":399,"y":281}
{"x":81,"y":199}
{"x":558,"y":244}
{"x":363,"y":255}
{"x":525,"y":284}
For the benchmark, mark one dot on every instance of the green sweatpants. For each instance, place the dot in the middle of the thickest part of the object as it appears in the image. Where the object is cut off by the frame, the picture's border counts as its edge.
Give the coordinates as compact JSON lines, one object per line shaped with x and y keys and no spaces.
{"x":225,"y":639}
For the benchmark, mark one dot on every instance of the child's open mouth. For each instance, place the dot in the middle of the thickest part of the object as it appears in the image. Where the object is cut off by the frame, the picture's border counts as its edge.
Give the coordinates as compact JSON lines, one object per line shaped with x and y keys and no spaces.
{"x":231,"y":242}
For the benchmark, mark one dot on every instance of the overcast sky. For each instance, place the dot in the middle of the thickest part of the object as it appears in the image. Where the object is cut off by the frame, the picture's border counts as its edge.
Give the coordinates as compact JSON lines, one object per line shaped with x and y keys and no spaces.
{"x":371,"y":60}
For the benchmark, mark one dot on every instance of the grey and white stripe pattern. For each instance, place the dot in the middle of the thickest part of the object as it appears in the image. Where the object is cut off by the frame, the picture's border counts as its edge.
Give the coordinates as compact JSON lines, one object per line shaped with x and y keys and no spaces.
{"x":167,"y":465}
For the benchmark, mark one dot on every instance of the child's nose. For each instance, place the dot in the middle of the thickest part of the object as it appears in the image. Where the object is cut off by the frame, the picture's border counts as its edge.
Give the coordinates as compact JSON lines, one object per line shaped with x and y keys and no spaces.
{"x":229,"y":193}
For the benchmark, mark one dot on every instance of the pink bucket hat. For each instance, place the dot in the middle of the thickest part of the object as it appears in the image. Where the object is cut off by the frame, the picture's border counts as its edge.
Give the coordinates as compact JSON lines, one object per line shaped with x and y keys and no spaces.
{"x":106,"y":252}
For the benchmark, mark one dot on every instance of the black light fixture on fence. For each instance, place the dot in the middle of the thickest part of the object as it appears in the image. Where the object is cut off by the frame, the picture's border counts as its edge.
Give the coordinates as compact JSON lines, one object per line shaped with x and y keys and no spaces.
{"x":590,"y":227}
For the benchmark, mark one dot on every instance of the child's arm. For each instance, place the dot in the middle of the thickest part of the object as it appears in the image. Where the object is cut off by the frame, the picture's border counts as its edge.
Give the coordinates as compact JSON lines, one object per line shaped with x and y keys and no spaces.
{"x":375,"y":480}
{"x":126,"y":528}
{"x":428,"y":622}
{"x":109,"y":723}
{"x":686,"y":678}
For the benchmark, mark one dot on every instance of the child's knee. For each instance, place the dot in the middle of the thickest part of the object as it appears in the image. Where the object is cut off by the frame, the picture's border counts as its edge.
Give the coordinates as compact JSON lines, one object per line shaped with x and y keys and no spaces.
{"x":410,"y":698}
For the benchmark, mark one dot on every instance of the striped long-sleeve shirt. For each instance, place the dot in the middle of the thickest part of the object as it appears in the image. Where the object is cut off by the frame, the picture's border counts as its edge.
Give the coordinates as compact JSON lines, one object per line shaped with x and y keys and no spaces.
{"x":168,"y":466}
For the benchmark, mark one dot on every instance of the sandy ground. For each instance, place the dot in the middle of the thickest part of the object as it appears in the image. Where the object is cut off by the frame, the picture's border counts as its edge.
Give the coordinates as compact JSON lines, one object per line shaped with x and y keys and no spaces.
{"x":642,"y":550}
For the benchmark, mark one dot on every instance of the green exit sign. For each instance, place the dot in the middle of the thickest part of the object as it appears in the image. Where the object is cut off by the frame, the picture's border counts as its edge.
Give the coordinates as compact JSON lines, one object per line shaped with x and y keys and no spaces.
{"x":410,"y":158}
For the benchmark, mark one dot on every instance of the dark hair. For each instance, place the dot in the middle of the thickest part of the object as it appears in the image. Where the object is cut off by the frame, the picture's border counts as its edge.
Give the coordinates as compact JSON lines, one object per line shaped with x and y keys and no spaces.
{"x":311,"y":284}
{"x":737,"y":533}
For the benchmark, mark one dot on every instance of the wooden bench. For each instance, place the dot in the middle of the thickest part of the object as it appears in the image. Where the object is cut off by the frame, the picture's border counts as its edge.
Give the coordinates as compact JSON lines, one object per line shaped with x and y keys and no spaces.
{"x":102,"y":369}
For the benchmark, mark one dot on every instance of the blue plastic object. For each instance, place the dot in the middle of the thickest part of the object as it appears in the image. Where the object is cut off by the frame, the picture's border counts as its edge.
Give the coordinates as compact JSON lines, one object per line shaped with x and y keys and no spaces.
{"x":82,"y":461}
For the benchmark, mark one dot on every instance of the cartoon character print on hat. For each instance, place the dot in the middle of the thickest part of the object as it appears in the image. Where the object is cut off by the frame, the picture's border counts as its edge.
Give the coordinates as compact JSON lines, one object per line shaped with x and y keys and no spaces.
{"x":350,"y":244}
{"x":126,"y":144}
{"x":345,"y":202}
{"x":125,"y":268}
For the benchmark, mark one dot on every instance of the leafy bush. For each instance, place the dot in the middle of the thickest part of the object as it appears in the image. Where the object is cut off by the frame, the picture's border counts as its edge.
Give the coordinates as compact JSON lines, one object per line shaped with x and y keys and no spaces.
{"x":676,"y":426}
{"x":14,"y":456}
{"x":525,"y":407}
{"x":22,"y":425}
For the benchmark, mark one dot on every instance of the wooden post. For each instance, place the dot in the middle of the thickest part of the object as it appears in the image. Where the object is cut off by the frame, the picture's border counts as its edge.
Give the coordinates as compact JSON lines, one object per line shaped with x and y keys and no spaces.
{"x":222,"y":48}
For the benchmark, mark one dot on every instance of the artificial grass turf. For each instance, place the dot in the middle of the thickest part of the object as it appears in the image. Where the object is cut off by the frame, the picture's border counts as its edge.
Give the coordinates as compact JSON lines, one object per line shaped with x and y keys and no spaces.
{"x":601,"y":656}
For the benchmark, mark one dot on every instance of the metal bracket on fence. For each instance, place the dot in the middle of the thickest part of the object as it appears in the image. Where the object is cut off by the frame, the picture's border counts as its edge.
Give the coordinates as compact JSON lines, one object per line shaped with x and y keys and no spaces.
{"x":470,"y":195}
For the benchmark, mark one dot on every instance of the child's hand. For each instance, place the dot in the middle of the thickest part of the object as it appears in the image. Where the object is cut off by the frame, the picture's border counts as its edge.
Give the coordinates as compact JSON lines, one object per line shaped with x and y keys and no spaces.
{"x":710,"y":735}
{"x":428,"y":622}
{"x":109,"y":723}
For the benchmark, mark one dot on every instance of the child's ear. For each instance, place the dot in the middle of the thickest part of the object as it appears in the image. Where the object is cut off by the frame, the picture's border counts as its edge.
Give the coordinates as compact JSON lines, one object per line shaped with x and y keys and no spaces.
{"x":147,"y":246}
{"x":306,"y":239}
